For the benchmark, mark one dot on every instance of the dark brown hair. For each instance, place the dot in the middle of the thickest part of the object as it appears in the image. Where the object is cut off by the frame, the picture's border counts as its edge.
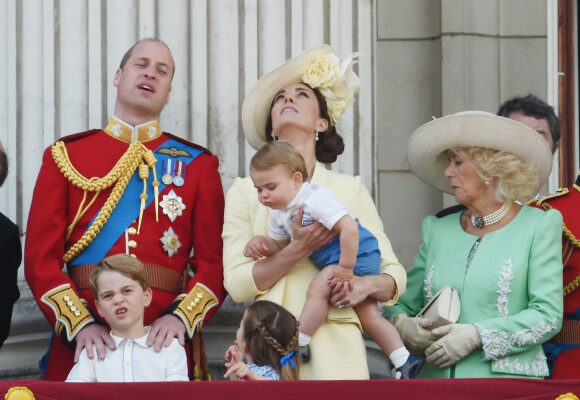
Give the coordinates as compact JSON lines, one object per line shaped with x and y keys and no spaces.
{"x":3,"y":166}
{"x":270,"y":333}
{"x":329,"y":144}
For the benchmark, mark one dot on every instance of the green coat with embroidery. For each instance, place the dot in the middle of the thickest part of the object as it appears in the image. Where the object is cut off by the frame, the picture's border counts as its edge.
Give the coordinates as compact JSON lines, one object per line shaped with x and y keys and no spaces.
{"x":511,"y":292}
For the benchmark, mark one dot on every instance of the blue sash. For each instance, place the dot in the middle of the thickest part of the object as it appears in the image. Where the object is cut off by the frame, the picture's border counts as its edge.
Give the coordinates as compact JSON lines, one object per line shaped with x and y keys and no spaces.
{"x":127,"y":210}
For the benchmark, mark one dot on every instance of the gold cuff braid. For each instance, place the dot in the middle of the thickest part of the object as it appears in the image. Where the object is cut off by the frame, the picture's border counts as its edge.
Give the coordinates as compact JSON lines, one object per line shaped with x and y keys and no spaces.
{"x":71,"y":313}
{"x":194,"y":306}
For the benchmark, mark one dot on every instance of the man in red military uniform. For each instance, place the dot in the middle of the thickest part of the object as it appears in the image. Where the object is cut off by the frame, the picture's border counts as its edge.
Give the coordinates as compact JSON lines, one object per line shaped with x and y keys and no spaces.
{"x":565,"y":346}
{"x":129,"y":188}
{"x":563,"y":350}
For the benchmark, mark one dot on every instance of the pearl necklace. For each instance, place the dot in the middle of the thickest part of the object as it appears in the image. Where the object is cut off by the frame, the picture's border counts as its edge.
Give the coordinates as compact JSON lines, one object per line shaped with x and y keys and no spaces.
{"x":480,"y":222}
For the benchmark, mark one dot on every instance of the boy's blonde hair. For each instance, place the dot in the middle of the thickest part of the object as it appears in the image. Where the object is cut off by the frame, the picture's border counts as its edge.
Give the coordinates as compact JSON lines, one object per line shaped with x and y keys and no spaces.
{"x":279,"y":152}
{"x":124,"y":264}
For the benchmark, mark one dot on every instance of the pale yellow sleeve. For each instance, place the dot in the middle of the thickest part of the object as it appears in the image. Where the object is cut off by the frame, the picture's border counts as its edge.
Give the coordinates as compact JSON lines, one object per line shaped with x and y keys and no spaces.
{"x":363,"y":208}
{"x":241,"y":214}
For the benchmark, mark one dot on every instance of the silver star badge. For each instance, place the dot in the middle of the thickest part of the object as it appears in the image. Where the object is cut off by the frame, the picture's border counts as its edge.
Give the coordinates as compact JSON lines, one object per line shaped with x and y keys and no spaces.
{"x":170,"y":242}
{"x":117,"y":130}
{"x":172,"y":205}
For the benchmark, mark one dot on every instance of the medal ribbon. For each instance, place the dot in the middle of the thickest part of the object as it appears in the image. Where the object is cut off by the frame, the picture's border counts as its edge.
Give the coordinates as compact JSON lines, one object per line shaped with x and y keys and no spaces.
{"x":127,"y":210}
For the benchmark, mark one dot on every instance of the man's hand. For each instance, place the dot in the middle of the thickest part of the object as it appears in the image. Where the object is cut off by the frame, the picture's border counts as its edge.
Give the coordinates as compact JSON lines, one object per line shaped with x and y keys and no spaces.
{"x":163,"y":330}
{"x":93,"y":335}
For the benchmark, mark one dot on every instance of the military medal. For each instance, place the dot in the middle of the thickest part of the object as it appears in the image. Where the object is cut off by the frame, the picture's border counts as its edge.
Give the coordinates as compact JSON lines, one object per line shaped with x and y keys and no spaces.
{"x":167,"y":172}
{"x":170,"y":242}
{"x":172,"y":205}
{"x":179,"y":178}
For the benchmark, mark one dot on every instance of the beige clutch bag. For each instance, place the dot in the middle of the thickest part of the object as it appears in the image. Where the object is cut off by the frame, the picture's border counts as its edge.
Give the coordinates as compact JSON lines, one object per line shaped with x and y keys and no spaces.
{"x":443,"y":308}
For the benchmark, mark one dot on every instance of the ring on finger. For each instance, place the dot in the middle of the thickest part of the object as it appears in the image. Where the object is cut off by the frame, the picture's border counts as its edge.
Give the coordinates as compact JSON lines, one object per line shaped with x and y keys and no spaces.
{"x":341,"y":306}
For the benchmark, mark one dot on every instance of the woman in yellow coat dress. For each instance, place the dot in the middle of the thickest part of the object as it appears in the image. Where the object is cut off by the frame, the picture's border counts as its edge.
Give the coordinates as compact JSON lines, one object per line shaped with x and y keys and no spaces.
{"x":300,"y":102}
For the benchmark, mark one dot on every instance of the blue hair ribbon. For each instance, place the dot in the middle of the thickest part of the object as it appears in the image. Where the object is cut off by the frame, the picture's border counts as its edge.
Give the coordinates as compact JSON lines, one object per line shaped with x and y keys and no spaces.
{"x":289,"y":358}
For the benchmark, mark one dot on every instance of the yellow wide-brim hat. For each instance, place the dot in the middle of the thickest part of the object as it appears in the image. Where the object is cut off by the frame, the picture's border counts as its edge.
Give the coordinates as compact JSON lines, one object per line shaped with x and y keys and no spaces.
{"x":333,"y":78}
{"x":428,"y":146}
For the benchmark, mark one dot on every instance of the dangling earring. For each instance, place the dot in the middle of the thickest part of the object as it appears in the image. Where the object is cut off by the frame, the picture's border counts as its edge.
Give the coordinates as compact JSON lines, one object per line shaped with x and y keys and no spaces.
{"x":274,"y":137}
{"x":486,"y":179}
{"x":317,"y":135}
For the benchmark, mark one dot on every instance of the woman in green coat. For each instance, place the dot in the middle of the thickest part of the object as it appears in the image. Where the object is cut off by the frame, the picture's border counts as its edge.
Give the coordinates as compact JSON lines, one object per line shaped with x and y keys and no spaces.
{"x":503,"y":258}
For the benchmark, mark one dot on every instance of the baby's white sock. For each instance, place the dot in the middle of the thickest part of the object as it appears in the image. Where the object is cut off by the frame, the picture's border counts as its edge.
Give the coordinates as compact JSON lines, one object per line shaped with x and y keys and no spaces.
{"x":399,"y":356}
{"x":303,"y":339}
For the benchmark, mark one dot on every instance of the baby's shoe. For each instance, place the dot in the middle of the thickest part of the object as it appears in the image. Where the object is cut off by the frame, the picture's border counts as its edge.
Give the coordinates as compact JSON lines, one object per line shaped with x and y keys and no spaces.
{"x":408,"y":370}
{"x":305,"y":353}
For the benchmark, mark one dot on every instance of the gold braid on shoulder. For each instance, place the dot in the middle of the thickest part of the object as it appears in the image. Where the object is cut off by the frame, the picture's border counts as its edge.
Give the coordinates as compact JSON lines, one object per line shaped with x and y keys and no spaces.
{"x":567,"y":251}
{"x":119,"y":175}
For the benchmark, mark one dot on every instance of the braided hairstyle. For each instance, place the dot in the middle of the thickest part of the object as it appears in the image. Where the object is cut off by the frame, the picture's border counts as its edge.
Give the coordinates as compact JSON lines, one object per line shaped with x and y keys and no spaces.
{"x":270,"y":333}
{"x":329,"y":144}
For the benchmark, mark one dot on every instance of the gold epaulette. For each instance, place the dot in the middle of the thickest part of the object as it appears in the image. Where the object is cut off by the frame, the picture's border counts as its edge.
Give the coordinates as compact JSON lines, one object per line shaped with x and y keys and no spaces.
{"x":72,"y":313}
{"x":194,"y":306}
{"x":540,"y":202}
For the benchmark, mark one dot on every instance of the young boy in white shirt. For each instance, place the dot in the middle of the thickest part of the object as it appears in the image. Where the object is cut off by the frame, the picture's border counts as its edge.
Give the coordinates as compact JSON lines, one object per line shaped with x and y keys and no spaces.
{"x":121,"y":290}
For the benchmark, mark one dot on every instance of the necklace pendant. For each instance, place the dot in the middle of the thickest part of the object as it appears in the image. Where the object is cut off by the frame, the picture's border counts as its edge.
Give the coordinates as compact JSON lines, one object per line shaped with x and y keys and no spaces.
{"x":477,"y":222}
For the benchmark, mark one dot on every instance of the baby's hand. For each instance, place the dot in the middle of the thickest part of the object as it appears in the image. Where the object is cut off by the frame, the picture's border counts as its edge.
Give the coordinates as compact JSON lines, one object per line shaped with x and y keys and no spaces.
{"x":341,"y":276}
{"x":256,"y":248}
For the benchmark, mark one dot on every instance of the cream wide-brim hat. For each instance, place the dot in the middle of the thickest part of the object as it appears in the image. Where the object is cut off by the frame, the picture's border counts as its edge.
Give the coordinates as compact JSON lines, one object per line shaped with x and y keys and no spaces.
{"x":256,"y":107}
{"x":428,"y":146}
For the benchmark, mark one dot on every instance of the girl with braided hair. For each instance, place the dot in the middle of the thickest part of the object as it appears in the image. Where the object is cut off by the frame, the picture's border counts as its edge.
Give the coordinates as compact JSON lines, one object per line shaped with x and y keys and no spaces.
{"x":268,"y":337}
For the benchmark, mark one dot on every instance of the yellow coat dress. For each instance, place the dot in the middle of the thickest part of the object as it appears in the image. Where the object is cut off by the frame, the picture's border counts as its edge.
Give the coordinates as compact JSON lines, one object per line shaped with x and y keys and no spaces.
{"x":337,"y":347}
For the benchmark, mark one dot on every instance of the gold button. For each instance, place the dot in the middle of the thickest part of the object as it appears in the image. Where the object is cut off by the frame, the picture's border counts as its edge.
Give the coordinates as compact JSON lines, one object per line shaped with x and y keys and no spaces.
{"x":132,"y":244}
{"x":73,"y":308}
{"x":77,"y":313}
{"x":132,"y":231}
{"x":69,"y":303}
{"x":189,"y":308}
{"x":66,"y":298}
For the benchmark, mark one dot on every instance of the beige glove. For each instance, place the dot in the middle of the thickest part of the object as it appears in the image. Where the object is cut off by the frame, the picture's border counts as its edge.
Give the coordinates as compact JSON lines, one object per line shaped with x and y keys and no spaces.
{"x":458,"y":341}
{"x":414,"y":333}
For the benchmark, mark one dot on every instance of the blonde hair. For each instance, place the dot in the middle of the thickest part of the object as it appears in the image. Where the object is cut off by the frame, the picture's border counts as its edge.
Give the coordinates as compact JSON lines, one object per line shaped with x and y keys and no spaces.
{"x":279,"y":152}
{"x":123,"y":264}
{"x":516,"y":180}
{"x":271,"y":333}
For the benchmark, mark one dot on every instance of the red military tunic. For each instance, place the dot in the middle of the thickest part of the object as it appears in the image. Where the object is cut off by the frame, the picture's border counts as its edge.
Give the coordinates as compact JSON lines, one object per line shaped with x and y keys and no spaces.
{"x":566,"y":344}
{"x":188,"y":230}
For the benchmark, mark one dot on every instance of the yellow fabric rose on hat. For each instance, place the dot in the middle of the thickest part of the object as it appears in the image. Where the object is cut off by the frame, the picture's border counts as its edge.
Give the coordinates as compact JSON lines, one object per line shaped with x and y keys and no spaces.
{"x":322,"y":71}
{"x":336,"y":108}
{"x":335,"y":80}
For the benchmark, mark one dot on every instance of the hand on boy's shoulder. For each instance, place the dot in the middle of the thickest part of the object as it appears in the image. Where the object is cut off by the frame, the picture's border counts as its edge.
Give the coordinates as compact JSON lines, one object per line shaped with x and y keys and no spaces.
{"x":93,"y":336}
{"x":164,"y":330}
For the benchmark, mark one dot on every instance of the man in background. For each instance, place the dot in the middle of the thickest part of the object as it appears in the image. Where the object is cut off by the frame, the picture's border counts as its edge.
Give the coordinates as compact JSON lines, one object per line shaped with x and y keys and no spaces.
{"x":11,"y":251}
